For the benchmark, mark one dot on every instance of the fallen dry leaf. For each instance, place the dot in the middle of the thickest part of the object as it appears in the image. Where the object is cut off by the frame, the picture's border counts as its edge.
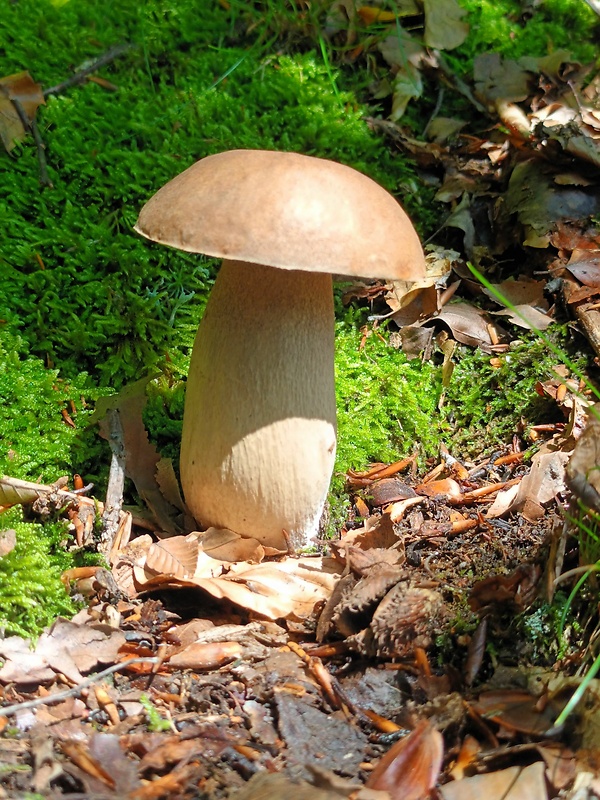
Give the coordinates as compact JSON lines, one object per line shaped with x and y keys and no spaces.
{"x":518,"y":710}
{"x":514,"y":783}
{"x":444,"y":29}
{"x":583,"y":468}
{"x":176,"y":556}
{"x":410,"y":768}
{"x":545,"y":480}
{"x":205,"y":656}
{"x":447,"y":487}
{"x":469,"y":325}
{"x":584,"y":265}
{"x":66,"y":648}
{"x":8,"y":541}
{"x":141,"y":457}
{"x":226,"y":546}
{"x":22,"y":88}
{"x":287,"y":589}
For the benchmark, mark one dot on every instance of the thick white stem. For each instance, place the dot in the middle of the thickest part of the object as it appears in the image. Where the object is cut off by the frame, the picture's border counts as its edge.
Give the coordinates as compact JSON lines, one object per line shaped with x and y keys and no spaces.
{"x":258,"y":442}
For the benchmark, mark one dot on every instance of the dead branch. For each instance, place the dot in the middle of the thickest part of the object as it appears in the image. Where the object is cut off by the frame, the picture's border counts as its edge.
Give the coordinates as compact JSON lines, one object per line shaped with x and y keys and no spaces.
{"x":116,"y":481}
{"x":81,"y":75}
{"x":31,"y":125}
{"x":74,"y":691}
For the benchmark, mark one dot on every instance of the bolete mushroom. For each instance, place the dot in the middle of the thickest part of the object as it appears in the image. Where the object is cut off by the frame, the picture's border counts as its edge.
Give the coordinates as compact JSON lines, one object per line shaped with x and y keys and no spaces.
{"x":259,"y":428}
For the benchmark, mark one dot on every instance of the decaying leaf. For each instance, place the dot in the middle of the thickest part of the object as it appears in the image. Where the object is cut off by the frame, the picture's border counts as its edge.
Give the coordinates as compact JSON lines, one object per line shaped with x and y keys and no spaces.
{"x":513,"y":783}
{"x":526,"y":298}
{"x":545,"y":480}
{"x":17,"y":492}
{"x":142,"y":459}
{"x":8,"y":541}
{"x":287,"y":589}
{"x":584,"y":264}
{"x":176,"y":556}
{"x":444,"y":28}
{"x":403,"y":53}
{"x":22,"y":88}
{"x":227,"y":546}
{"x":540,"y":204}
{"x":583,"y":468}
{"x":410,"y":768}
{"x":500,"y":78}
{"x":516,"y":591}
{"x":518,"y":710}
{"x":205,"y":655}
{"x":66,"y":648}
{"x":469,"y":324}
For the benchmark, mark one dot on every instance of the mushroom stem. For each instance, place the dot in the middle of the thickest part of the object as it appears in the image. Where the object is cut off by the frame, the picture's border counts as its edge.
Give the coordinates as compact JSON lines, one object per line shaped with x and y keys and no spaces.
{"x":258,"y":441}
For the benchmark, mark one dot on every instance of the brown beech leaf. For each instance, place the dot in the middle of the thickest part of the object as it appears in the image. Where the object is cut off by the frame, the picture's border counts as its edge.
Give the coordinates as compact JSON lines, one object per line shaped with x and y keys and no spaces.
{"x":514,"y":783}
{"x":67,"y":648}
{"x":526,"y":317}
{"x":524,"y":291}
{"x":390,"y":490}
{"x":444,"y":29}
{"x":141,"y":457}
{"x":447,"y":487}
{"x":545,"y":480}
{"x":14,"y":491}
{"x":584,"y":264}
{"x":206,"y":655}
{"x":28,"y":93}
{"x":8,"y":541}
{"x":289,"y":589}
{"x":225,"y":545}
{"x":518,"y":710}
{"x":518,"y":589}
{"x":469,"y":325}
{"x":582,"y":470}
{"x":176,"y":556}
{"x":410,"y":768}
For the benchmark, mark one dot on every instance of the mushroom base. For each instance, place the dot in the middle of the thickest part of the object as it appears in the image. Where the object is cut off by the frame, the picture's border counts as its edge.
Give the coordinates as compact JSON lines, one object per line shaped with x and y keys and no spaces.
{"x":258,"y":442}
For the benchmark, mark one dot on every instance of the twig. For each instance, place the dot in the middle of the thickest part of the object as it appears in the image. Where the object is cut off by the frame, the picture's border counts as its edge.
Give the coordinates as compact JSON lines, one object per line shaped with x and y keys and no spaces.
{"x":31,"y":125}
{"x":81,"y":75}
{"x":436,"y":110}
{"x":74,"y":691}
{"x":459,"y":85}
{"x":116,"y":482}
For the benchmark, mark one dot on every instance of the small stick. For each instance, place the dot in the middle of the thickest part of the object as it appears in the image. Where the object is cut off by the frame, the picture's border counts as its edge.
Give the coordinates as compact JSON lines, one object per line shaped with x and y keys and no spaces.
{"x":81,"y":75}
{"x":74,"y":691}
{"x":116,"y":482}
{"x":31,"y":125}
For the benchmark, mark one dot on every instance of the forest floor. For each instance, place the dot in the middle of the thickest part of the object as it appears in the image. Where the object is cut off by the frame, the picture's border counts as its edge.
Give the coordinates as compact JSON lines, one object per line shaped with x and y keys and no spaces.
{"x":440,"y":641}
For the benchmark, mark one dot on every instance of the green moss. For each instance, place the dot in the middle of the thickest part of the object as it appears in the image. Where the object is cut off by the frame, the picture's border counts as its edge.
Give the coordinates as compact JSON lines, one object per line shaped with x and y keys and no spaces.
{"x":502,"y":26}
{"x":31,"y":592}
{"x":387,"y":405}
{"x":75,"y":280}
{"x":485,"y":404}
{"x":36,"y":442}
{"x":163,"y":415}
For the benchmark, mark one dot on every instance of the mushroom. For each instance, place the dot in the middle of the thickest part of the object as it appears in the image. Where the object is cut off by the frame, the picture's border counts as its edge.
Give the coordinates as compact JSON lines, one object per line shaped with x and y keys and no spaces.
{"x":259,"y":428}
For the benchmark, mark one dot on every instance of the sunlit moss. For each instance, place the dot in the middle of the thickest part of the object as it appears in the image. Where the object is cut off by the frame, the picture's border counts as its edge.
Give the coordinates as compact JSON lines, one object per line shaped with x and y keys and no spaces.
{"x":31,"y":592}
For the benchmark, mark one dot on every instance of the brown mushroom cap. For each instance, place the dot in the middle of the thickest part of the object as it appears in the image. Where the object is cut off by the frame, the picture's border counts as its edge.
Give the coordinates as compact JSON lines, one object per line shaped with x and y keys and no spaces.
{"x":285,"y":210}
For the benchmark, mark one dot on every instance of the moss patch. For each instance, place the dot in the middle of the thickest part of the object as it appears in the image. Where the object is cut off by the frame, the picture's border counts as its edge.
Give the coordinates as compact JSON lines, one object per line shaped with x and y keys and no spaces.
{"x":31,"y":592}
{"x":81,"y":287}
{"x":486,"y":401}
